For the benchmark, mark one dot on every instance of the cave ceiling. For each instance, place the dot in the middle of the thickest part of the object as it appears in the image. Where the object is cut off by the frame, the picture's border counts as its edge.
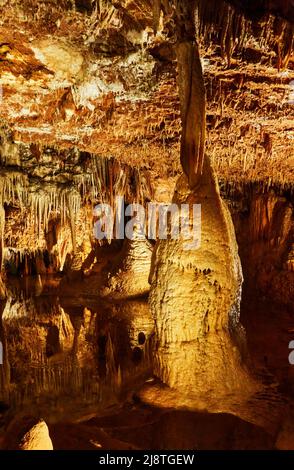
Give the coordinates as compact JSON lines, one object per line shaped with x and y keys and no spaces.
{"x":100,"y":75}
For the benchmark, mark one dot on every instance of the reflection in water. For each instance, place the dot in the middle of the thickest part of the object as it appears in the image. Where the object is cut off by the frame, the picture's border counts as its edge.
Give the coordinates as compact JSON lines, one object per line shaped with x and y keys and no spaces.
{"x":81,"y":365}
{"x":71,"y":358}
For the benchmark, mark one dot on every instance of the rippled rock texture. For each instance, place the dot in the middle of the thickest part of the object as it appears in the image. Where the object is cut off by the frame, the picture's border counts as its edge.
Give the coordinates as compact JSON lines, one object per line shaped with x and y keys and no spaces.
{"x":195,"y":301}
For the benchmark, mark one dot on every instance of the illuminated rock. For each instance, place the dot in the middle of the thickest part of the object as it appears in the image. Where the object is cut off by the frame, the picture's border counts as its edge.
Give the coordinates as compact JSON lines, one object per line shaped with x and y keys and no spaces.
{"x":37,"y":438}
{"x":195,"y":300}
{"x":129,"y":277}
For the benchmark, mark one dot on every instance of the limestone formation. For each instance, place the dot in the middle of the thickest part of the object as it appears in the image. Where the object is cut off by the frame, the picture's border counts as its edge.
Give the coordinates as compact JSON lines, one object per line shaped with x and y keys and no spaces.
{"x":129,"y":276}
{"x":146,"y":101}
{"x":195,"y":300}
{"x":37,"y":438}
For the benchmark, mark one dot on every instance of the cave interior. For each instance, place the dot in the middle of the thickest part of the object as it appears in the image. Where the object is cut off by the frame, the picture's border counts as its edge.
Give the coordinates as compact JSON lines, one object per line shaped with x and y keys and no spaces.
{"x":116,"y":342}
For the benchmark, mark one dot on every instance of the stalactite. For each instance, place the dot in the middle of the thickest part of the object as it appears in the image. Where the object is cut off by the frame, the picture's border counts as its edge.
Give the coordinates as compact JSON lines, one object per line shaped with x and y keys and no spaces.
{"x":101,"y":180}
{"x":27,"y":261}
{"x":229,"y":27}
{"x":13,"y":187}
{"x":156,"y":14}
{"x":225,"y":30}
{"x":73,"y":204}
{"x":109,"y":179}
{"x":192,"y":102}
{"x":40,"y":205}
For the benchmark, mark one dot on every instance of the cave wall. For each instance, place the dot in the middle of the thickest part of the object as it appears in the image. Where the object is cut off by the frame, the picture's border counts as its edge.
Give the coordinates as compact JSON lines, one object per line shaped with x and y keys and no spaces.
{"x":264,"y":230}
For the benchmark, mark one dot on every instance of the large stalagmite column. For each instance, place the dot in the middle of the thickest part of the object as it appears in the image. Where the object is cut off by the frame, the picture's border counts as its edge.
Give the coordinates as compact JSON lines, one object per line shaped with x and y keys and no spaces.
{"x":195,"y":300}
{"x":195,"y":294}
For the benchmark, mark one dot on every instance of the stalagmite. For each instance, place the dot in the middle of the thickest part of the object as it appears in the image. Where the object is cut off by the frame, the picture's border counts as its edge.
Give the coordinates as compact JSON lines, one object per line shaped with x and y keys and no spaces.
{"x":196,"y":309}
{"x":195,"y":293}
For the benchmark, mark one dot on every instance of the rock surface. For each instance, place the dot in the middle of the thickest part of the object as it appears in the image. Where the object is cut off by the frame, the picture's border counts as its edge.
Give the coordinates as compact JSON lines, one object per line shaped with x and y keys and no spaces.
{"x":129,"y":276}
{"x":195,"y":301}
{"x":37,"y":438}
